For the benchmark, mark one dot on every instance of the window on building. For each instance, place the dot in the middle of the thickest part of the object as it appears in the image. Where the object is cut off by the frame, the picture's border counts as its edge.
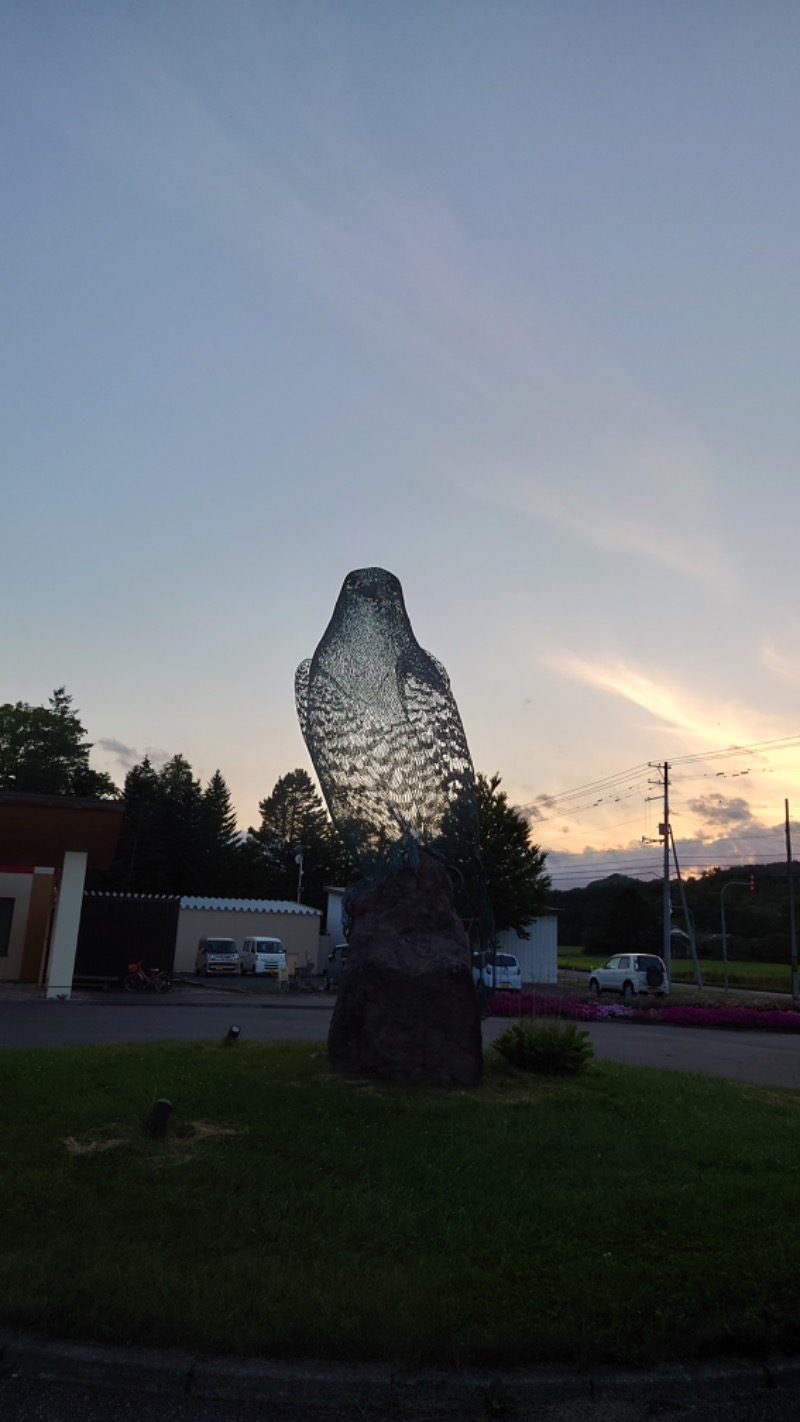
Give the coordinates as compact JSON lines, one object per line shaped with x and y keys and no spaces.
{"x":6,"y":915}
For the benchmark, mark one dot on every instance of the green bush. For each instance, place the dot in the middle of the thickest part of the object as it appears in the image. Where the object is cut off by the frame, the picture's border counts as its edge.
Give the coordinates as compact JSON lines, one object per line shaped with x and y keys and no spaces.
{"x":553,"y":1049}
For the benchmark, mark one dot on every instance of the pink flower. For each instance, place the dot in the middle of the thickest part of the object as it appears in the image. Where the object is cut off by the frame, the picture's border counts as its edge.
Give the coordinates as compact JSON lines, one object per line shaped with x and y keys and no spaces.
{"x":714,"y":1015}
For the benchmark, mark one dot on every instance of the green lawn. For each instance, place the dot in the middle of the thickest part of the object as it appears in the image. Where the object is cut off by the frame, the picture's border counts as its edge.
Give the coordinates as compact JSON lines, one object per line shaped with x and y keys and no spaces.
{"x":628,"y":1216}
{"x":761,"y":977}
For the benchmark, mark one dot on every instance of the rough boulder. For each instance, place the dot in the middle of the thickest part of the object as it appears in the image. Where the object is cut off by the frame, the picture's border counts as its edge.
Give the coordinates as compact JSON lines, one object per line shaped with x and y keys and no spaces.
{"x":407,"y":1010}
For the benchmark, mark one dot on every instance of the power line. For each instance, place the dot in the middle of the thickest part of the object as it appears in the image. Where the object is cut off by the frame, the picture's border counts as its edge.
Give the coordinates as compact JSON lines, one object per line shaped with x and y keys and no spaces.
{"x":591,"y":787}
{"x":609,"y":781}
{"x":786,"y":742}
{"x":589,"y":805}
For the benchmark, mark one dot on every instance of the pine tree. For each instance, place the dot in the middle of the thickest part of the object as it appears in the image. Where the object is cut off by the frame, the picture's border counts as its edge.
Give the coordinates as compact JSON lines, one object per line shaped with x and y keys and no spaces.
{"x":180,"y":815}
{"x":161,"y":843}
{"x":218,"y":838}
{"x":139,"y":857}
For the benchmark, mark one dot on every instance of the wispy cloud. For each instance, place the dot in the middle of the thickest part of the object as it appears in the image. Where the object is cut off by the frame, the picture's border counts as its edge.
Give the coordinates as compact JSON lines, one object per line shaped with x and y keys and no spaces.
{"x":779,"y":663}
{"x":534,"y":414}
{"x":716,"y":724}
{"x":119,"y":755}
{"x":122,"y":755}
{"x":599,"y":459}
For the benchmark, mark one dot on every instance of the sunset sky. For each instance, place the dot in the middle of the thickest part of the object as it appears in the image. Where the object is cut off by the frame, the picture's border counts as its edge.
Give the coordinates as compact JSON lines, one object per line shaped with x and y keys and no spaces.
{"x":501,"y":295}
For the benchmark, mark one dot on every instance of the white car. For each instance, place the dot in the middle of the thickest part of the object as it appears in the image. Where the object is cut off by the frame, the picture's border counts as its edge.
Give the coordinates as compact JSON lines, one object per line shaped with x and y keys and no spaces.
{"x":507,"y":971}
{"x":629,"y":974}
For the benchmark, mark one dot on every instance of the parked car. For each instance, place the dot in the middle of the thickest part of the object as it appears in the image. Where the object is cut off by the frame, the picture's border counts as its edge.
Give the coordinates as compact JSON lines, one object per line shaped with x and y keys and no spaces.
{"x":263,"y":956}
{"x":507,"y":976}
{"x":217,"y":956}
{"x":335,"y":966}
{"x":629,"y":974}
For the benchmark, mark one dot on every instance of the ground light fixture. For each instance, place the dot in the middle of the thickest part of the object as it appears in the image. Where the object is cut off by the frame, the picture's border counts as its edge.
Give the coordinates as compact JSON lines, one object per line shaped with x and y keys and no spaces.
{"x":158,"y":1120}
{"x":233,"y":1034}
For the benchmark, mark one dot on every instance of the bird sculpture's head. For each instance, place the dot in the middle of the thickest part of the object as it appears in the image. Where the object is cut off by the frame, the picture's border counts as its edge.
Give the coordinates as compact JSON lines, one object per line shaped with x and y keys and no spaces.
{"x":373,"y":583}
{"x":372,"y":597}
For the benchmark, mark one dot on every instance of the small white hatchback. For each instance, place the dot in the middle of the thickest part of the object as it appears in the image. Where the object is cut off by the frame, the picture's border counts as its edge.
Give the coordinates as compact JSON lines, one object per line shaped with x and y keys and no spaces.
{"x":629,"y":974}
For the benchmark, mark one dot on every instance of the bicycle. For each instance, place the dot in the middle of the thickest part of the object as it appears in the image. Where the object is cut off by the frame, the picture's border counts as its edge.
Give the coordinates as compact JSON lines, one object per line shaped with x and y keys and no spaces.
{"x":138,"y":978}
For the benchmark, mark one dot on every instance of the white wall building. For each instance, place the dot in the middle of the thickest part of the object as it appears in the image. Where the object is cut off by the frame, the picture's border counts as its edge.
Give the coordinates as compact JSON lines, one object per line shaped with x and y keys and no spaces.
{"x":538,"y":955}
{"x":296,"y":925}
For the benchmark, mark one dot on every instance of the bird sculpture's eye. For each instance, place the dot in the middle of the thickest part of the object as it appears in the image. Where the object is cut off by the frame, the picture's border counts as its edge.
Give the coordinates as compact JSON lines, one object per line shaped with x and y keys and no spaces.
{"x":353,"y":581}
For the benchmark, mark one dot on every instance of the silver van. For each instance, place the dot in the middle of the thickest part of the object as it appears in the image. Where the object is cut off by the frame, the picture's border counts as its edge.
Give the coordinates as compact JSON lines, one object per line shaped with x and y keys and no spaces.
{"x":263,"y":956}
{"x":216,"y":955}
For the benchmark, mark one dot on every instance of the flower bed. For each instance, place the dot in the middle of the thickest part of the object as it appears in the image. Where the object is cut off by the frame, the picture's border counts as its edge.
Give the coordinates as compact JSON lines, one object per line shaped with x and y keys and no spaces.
{"x":770,"y":1019}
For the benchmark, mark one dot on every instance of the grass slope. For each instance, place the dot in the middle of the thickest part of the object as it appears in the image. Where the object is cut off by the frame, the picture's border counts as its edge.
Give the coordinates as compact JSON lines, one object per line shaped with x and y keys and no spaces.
{"x":626,"y":1216}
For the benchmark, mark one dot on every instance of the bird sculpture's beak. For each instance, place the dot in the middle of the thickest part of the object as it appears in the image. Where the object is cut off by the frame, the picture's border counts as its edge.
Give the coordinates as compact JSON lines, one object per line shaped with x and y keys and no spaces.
{"x":372,"y":590}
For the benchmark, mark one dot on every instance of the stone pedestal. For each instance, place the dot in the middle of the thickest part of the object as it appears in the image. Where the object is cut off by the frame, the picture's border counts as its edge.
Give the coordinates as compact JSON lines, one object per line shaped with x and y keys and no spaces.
{"x":407,"y":1009}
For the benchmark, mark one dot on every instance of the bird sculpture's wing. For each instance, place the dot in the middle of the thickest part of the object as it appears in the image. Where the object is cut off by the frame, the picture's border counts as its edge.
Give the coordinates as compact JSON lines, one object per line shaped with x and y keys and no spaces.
{"x":353,"y":753}
{"x":438,"y":734}
{"x":437,"y":742}
{"x":301,"y":679}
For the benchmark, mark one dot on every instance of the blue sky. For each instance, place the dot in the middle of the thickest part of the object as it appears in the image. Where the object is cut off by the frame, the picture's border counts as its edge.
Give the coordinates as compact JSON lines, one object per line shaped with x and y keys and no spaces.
{"x":500,"y":296}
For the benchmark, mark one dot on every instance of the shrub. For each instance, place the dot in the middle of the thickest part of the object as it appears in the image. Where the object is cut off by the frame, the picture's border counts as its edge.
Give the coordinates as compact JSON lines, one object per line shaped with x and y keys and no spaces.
{"x":556,"y":1050}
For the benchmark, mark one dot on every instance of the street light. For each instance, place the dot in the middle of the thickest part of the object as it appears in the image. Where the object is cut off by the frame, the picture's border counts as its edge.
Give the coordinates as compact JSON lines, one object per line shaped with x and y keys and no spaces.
{"x":298,"y":859}
{"x":747,"y":884}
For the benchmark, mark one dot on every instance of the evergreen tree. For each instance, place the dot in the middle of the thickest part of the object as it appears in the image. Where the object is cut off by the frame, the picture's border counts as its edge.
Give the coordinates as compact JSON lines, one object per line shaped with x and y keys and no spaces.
{"x":179,"y":826}
{"x":514,"y":867}
{"x":160,"y":849}
{"x":43,"y":750}
{"x":139,"y":856}
{"x":218,"y":838}
{"x":293,"y":818}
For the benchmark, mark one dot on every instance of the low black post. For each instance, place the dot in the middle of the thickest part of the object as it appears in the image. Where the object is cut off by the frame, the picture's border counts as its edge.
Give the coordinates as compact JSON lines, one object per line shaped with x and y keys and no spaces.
{"x":158,"y":1120}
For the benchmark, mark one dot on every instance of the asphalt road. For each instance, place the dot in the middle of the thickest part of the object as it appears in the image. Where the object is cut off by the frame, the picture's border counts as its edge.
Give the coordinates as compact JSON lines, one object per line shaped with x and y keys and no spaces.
{"x":768,"y":1059}
{"x":27,"y":1401}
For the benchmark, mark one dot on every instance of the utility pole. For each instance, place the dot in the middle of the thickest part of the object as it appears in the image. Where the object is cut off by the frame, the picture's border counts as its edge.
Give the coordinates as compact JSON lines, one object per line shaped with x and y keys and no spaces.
{"x":792,"y":923}
{"x":664,"y":832}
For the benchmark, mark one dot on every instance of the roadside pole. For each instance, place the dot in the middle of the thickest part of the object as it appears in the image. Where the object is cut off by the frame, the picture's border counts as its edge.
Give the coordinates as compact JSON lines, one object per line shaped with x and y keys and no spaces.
{"x":698,"y":976}
{"x":792,"y":922}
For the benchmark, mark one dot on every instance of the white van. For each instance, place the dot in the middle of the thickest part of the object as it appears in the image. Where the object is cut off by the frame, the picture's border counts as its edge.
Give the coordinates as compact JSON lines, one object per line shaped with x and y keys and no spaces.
{"x":263,"y":955}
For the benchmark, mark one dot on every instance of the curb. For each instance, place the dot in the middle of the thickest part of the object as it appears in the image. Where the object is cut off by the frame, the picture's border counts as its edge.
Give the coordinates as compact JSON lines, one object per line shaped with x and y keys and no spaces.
{"x":363,"y":1386}
{"x":315,"y":1000}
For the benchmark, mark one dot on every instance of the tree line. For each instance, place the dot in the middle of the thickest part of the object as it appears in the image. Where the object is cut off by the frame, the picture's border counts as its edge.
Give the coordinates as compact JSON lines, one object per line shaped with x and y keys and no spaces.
{"x":619,"y":913}
{"x":180,"y":837}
